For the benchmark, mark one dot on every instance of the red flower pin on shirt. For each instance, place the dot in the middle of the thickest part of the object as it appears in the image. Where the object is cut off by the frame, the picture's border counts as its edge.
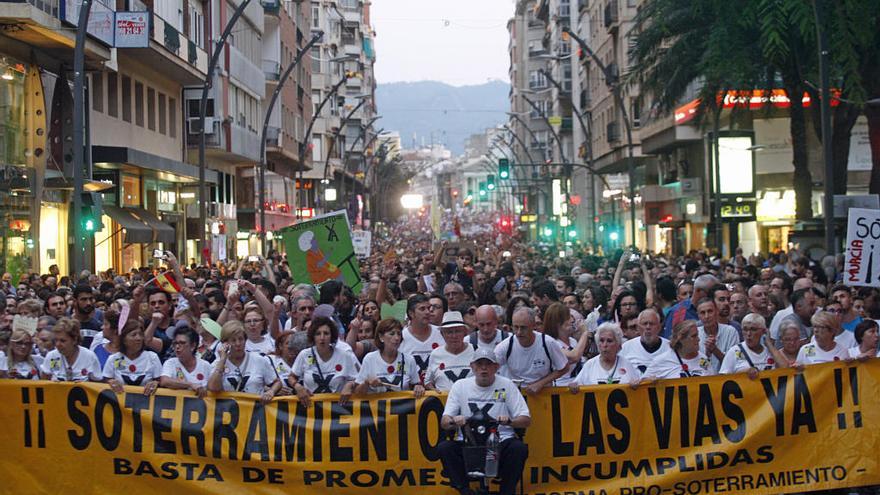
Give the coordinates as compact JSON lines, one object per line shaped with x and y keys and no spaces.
{"x":132,"y":368}
{"x":200,"y":377}
{"x":442,"y":366}
{"x":435,"y":345}
{"x":391,"y":369}
{"x":684,"y":367}
{"x":338,"y":367}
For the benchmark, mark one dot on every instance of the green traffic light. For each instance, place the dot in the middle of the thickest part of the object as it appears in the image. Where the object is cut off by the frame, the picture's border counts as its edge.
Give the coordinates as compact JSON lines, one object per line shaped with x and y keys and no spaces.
{"x":614,"y":236}
{"x":482,"y":192}
{"x":548,"y":232}
{"x":89,"y":225}
{"x":504,"y":173}
{"x":490,"y":186}
{"x":572,"y":233}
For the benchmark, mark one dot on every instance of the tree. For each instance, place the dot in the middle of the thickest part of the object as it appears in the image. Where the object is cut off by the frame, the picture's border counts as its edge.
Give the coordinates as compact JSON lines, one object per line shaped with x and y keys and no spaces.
{"x":680,"y":43}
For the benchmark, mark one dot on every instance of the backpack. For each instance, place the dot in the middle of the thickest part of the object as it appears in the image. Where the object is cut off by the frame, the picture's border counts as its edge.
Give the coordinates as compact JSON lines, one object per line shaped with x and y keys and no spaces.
{"x":543,"y":343}
{"x":474,"y":338}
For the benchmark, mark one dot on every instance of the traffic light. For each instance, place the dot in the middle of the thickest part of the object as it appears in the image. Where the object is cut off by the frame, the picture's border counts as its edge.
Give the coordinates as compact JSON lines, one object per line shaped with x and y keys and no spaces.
{"x":572,"y":234}
{"x":505,"y":224}
{"x":490,"y":182}
{"x":547,"y":231}
{"x":90,"y":216}
{"x":504,"y":168}
{"x":484,"y":194}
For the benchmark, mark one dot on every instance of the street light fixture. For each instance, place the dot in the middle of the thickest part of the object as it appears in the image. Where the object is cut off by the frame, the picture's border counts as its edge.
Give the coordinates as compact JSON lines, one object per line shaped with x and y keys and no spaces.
{"x":283,"y":79}
{"x":612,"y":82}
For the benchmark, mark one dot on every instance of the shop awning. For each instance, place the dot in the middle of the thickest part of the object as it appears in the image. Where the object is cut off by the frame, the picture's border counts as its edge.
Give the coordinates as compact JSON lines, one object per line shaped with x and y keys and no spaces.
{"x":136,"y":231}
{"x":163,"y":231}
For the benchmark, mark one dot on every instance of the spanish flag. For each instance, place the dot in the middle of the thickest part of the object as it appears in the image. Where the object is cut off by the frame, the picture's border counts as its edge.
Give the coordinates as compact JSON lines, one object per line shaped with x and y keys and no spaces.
{"x":166,"y":282}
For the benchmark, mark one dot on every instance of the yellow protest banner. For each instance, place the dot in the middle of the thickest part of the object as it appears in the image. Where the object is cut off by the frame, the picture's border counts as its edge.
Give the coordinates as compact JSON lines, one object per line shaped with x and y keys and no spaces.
{"x":785,"y":431}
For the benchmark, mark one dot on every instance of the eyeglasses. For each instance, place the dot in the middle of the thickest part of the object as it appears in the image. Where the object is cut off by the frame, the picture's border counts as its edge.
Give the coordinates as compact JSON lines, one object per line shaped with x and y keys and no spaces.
{"x":253,"y":322}
{"x":177,"y":343}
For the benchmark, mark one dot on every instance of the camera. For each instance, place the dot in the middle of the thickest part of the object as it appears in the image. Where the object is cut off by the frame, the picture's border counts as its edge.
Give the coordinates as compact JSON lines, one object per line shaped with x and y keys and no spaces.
{"x":253,"y":259}
{"x":159,"y":254}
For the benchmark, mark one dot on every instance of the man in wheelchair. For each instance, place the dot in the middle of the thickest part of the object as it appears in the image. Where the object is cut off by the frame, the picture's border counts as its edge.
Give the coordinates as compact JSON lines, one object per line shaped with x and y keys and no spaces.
{"x":497,"y":397}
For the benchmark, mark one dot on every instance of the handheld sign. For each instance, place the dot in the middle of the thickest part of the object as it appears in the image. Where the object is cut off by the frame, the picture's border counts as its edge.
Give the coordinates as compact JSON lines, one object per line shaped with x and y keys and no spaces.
{"x":862,"y":266}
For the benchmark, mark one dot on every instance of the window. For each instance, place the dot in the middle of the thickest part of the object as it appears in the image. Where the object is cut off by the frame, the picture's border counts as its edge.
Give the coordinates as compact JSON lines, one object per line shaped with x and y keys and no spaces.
{"x":316,"y":17}
{"x":635,"y":111}
{"x":172,"y":117}
{"x":162,"y":114}
{"x":112,"y":95}
{"x":317,"y":152}
{"x":151,"y":109}
{"x":316,"y":99}
{"x":539,"y":110}
{"x":97,"y":92}
{"x":139,"y":103}
{"x":196,"y":24}
{"x":537,"y":80}
{"x":126,"y":98}
{"x":316,"y":60}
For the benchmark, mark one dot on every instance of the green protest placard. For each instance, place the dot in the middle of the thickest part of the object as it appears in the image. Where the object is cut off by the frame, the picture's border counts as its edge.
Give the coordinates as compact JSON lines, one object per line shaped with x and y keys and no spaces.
{"x":396,"y":311}
{"x":320,"y":249}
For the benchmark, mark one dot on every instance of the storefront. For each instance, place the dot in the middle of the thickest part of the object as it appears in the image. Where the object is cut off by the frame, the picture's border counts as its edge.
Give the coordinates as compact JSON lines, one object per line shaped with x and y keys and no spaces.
{"x":145,"y":211}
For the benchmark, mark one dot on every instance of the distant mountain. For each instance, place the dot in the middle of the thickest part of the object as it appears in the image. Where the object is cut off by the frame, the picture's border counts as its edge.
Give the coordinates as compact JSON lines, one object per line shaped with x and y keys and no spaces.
{"x":437,"y":112}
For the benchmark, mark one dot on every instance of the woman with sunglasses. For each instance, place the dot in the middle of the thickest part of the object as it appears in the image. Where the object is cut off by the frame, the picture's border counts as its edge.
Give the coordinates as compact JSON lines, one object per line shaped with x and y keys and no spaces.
{"x":325,"y":367}
{"x":133,"y":364}
{"x":185,"y":371}
{"x":684,"y":357}
{"x":283,"y":359}
{"x":69,"y":361}
{"x":237,"y":370}
{"x":823,"y":348}
{"x":20,"y":363}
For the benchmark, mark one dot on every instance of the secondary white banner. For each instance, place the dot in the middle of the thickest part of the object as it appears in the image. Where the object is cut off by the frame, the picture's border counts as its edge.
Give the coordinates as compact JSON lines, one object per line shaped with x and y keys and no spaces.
{"x":862,"y":266}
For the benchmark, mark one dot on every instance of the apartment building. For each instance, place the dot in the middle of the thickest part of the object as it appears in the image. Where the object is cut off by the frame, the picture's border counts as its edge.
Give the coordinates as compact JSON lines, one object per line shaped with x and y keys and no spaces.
{"x":139,"y":61}
{"x":343,"y":134}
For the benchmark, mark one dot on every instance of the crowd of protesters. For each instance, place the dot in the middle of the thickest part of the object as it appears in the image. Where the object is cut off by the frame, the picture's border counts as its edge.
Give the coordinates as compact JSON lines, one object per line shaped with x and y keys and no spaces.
{"x":551,"y":321}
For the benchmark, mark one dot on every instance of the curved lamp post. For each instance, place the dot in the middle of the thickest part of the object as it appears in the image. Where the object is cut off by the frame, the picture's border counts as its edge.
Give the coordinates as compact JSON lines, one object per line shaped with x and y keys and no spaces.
{"x":203,"y":105}
{"x":308,"y":137}
{"x":262,"y":194}
{"x":611,"y":80}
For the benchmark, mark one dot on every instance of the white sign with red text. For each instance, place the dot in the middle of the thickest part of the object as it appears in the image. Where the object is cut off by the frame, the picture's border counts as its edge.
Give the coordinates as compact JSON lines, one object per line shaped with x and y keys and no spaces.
{"x":862,"y":264}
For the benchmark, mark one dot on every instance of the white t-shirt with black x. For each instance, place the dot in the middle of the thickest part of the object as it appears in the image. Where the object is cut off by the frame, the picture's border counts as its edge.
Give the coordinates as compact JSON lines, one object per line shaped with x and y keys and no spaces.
{"x":531,"y":363}
{"x":502,"y":398}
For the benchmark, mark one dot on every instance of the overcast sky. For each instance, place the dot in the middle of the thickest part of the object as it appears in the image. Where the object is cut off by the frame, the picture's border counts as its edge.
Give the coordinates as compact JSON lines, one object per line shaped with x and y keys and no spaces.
{"x":459,"y":42}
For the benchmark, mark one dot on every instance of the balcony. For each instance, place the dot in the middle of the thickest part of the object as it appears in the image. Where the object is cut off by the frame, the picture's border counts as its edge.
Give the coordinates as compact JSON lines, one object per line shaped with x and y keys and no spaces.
{"x":271,"y":69}
{"x":271,"y":7}
{"x":38,"y":23}
{"x":246,"y":73}
{"x":612,"y":16}
{"x":189,"y":62}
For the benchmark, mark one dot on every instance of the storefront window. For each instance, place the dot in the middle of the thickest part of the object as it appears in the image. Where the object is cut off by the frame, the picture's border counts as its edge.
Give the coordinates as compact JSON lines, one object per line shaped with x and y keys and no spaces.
{"x":131,"y":191}
{"x":15,"y":204}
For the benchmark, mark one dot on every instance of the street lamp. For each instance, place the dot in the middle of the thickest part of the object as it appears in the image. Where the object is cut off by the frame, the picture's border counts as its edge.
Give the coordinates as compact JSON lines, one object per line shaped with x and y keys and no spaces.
{"x":307,"y":138}
{"x":363,"y":99}
{"x":611,"y":80}
{"x":203,"y":106}
{"x":588,"y":138}
{"x":283,"y":79}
